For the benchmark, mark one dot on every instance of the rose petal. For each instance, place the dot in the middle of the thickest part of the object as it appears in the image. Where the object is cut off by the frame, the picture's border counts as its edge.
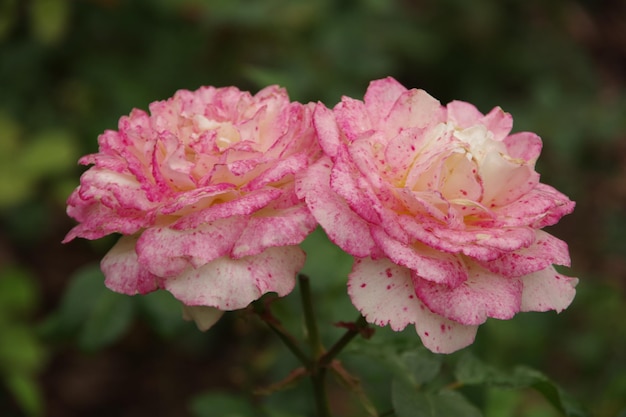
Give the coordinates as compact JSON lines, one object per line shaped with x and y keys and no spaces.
{"x":383,"y":292}
{"x":484,"y":294}
{"x":326,"y":129}
{"x":547,"y":290}
{"x":542,"y":206}
{"x":231,"y":284}
{"x":167,"y":252}
{"x":545,"y":251}
{"x":435,"y":266}
{"x":344,"y":227}
{"x":241,"y":205}
{"x":122,"y":271}
{"x":282,"y":228}
{"x":205,"y":317}
{"x":352,"y":118}
{"x":413,"y":109}
{"x":380,"y":97}
{"x":524,"y":145}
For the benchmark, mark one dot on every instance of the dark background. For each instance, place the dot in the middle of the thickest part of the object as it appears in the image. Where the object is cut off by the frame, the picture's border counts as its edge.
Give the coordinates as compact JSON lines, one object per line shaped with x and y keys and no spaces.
{"x":70,"y":69}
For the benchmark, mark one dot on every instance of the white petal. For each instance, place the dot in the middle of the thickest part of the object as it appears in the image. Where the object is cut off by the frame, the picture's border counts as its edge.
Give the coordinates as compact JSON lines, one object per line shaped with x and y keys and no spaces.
{"x":547,"y":290}
{"x":205,"y":317}
{"x":231,"y":284}
{"x":383,"y":292}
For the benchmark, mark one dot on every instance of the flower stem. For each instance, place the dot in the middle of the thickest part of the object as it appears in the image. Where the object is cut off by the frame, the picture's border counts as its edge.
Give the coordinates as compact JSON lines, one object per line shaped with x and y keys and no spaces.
{"x":317,"y":372}
{"x":309,"y":318}
{"x":263,"y":311}
{"x":350,"y":334}
{"x":289,"y":342}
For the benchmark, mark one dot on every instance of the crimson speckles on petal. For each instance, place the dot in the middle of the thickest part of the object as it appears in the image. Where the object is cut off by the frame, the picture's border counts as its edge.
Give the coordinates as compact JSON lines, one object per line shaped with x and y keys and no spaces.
{"x":442,"y":207}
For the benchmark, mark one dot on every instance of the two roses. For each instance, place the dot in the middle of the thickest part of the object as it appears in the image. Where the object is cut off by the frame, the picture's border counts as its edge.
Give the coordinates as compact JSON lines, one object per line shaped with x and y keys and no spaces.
{"x":440,"y":207}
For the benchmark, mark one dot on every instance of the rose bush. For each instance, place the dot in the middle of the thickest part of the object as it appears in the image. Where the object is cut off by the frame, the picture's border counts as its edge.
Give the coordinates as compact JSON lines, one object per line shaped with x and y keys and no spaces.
{"x":203,"y":191}
{"x":442,"y":209}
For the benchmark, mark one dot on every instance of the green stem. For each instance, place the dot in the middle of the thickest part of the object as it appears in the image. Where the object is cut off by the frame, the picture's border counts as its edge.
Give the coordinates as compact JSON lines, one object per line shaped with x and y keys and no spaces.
{"x":317,"y":372}
{"x":350,"y":334}
{"x":309,"y":317}
{"x":291,"y":344}
{"x":263,"y":311}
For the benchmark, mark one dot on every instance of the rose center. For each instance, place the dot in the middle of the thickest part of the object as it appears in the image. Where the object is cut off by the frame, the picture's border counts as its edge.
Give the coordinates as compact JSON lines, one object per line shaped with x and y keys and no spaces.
{"x":226,"y":134}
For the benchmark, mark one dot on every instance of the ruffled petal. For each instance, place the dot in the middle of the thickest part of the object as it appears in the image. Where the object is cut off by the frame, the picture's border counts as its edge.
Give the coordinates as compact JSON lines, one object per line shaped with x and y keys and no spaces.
{"x":545,"y":251}
{"x":547,"y":290}
{"x":380,"y":97}
{"x":432,"y":265}
{"x":205,"y":317}
{"x":342,"y":225}
{"x":283,"y":227}
{"x":231,"y":284}
{"x":484,"y":294}
{"x":167,"y":252}
{"x":122,"y":271}
{"x":327,"y":130}
{"x":383,"y":292}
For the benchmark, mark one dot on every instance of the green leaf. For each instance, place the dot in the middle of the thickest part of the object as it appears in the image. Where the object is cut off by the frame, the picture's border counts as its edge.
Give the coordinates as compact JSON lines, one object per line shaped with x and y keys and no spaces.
{"x":26,"y":393}
{"x":13,"y":188}
{"x":88,"y":310}
{"x":8,"y":17}
{"x":163,"y":312}
{"x":50,"y":152}
{"x":408,"y":402}
{"x":49,"y":19}
{"x":414,"y":366}
{"x":20,"y":350}
{"x":421,"y":365}
{"x":18,"y":292}
{"x":11,"y":131}
{"x":472,"y":371}
{"x":223,"y":405}
{"x":107,"y":321}
{"x":81,"y":294}
{"x":560,"y":399}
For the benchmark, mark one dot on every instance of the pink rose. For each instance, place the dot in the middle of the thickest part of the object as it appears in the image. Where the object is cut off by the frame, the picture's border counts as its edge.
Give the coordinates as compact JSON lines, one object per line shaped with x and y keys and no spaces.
{"x":442,"y":209}
{"x":203,"y":190}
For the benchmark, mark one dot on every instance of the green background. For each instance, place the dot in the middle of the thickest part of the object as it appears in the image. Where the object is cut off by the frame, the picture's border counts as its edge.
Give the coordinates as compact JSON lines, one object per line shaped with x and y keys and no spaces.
{"x":70,"y":69}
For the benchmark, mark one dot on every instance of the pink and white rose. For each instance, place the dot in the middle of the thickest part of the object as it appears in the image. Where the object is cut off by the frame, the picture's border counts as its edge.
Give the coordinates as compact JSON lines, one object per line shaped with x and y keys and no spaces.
{"x":442,"y":208}
{"x":203,"y":191}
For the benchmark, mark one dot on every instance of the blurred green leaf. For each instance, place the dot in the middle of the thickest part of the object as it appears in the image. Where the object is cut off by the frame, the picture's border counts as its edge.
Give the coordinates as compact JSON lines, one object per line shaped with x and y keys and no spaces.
{"x":162,"y":311}
{"x":88,"y":310}
{"x":421,"y":365}
{"x":223,"y":405}
{"x":472,"y":371}
{"x":8,"y":16}
{"x":9,"y":139}
{"x":408,"y":402}
{"x":108,"y":319}
{"x":413,"y":366}
{"x":83,"y":290}
{"x":14,"y":188}
{"x":26,"y":393}
{"x":18,"y":292}
{"x":550,"y":390}
{"x":20,"y":350}
{"x":49,"y":19}
{"x":50,"y":152}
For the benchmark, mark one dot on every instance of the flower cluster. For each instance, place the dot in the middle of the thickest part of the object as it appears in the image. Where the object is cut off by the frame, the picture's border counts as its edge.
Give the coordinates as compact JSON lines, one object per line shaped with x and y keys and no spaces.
{"x":440,"y":206}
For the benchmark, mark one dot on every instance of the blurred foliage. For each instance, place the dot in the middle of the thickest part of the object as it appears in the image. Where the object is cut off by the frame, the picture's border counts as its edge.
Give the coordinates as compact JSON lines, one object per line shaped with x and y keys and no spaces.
{"x":70,"y":69}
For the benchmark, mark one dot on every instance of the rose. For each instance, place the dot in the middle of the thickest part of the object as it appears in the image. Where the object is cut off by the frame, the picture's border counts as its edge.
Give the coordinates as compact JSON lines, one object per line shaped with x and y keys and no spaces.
{"x":442,"y":210}
{"x":203,"y":190}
